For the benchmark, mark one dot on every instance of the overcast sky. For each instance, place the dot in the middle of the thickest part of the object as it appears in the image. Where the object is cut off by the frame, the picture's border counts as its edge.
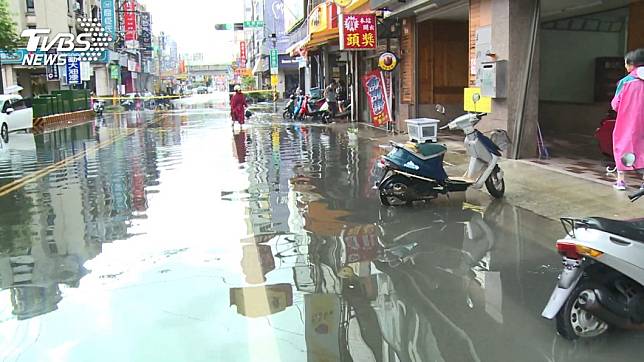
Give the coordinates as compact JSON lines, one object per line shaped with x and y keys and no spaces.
{"x":192,"y":24}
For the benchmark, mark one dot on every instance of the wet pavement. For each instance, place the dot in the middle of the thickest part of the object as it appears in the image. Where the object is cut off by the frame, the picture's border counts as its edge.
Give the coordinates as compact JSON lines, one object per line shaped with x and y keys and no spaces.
{"x":172,"y":237}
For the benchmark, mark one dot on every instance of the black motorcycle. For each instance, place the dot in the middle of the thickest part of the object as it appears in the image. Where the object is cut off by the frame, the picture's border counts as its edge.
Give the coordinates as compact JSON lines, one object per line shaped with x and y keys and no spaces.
{"x":289,"y":109}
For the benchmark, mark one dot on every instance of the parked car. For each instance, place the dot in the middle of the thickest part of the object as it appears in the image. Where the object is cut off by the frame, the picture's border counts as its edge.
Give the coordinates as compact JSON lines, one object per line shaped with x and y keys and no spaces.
{"x":202,"y":90}
{"x":16,"y":115}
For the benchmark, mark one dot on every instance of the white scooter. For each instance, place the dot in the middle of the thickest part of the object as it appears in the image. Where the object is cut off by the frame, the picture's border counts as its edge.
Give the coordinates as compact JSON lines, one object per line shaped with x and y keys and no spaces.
{"x":602,"y":283}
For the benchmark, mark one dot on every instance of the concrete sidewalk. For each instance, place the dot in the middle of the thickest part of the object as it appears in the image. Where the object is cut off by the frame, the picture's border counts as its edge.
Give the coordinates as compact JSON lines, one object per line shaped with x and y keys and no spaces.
{"x":543,"y":190}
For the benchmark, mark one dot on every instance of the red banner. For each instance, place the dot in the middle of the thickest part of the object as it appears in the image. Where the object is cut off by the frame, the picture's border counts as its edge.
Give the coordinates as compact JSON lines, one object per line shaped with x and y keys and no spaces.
{"x":242,"y":54}
{"x":129,"y":8}
{"x":358,"y":32}
{"x":374,"y":84}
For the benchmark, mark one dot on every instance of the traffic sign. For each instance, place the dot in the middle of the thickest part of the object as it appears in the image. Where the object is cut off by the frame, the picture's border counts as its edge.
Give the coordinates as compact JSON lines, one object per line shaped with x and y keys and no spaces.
{"x":274,"y":61}
{"x":254,"y":24}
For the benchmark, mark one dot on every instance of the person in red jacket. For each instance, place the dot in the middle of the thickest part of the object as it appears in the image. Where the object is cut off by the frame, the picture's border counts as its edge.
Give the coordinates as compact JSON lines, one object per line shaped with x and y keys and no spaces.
{"x":238,"y":106}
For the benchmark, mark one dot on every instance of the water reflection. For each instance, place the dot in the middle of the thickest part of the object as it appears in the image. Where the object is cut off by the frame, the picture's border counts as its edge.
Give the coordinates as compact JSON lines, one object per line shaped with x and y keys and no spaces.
{"x":57,"y":222}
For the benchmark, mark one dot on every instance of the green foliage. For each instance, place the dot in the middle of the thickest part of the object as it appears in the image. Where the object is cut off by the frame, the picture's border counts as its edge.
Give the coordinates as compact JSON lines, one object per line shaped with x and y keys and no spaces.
{"x":9,"y":38}
{"x":248,"y":83}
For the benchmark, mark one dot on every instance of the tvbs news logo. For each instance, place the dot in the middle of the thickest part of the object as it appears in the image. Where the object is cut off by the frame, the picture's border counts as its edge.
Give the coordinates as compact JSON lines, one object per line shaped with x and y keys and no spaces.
{"x":45,"y":49}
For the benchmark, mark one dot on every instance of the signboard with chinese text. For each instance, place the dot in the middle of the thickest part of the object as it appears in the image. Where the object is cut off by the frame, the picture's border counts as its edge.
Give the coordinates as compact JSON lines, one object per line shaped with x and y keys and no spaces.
{"x":52,"y":72}
{"x":115,"y":71}
{"x":274,"y":61}
{"x":318,"y":19}
{"x":358,"y":31}
{"x":73,"y":71}
{"x":374,"y":85}
{"x":107,"y":17}
{"x":242,"y":54}
{"x":146,"y":34}
{"x":129,"y":9}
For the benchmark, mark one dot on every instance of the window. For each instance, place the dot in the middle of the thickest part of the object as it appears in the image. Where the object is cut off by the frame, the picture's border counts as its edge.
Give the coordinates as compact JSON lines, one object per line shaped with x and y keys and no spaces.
{"x":30,"y":6}
{"x":18,"y":104}
{"x":31,"y":27}
{"x":5,"y":106}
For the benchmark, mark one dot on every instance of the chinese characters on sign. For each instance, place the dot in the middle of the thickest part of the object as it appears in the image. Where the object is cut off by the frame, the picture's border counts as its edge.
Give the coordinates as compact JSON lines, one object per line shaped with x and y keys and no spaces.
{"x":242,"y":54}
{"x":130,"y":21}
{"x":52,"y":72}
{"x":374,"y":84}
{"x":358,"y":32}
{"x":107,"y":17}
{"x":73,"y":70}
{"x":146,"y":34}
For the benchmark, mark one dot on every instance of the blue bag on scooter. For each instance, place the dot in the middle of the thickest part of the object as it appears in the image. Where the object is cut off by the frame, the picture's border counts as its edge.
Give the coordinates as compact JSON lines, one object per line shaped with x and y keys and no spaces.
{"x":424,"y":160}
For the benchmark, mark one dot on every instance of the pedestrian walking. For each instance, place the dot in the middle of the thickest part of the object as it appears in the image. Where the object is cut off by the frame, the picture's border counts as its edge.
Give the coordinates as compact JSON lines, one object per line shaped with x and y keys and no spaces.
{"x":628,"y":136}
{"x":238,"y":106}
{"x":331,"y":96}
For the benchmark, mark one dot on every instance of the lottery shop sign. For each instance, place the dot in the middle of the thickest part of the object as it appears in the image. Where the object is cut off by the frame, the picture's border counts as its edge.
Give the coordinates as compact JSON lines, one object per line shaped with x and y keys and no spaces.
{"x":374,"y":85}
{"x":358,"y":31}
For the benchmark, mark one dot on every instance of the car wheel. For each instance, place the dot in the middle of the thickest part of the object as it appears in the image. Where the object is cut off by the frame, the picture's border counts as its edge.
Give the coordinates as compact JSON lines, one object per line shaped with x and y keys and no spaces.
{"x":495,"y":184}
{"x":573,"y":322}
{"x":4,"y":132}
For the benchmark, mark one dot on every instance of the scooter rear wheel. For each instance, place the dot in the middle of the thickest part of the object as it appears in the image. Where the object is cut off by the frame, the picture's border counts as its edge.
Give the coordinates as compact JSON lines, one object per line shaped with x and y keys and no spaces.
{"x":573,"y":322}
{"x":394,"y":191}
{"x":287,"y":115}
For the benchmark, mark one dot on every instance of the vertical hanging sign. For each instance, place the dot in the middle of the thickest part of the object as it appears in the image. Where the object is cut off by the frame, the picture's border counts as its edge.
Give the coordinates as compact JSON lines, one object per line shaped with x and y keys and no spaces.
{"x":242,"y":54}
{"x":73,"y":70}
{"x":274,"y":61}
{"x":146,"y":34}
{"x":129,"y":9}
{"x":108,"y":18}
{"x":375,"y":87}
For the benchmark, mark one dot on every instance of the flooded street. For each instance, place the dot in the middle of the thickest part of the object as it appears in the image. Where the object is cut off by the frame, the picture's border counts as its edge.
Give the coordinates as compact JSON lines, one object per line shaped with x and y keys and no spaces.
{"x":172,"y":237}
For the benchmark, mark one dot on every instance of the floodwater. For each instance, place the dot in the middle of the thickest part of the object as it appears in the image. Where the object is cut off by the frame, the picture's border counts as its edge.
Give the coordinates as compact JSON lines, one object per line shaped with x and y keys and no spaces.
{"x":173,"y":237}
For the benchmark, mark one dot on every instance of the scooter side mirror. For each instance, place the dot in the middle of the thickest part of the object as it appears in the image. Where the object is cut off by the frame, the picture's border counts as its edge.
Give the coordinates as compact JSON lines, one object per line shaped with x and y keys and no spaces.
{"x":440,"y":109}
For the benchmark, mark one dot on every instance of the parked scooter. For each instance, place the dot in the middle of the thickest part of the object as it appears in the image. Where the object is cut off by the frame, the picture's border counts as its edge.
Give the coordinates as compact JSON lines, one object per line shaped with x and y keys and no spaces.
{"x":318,"y":109}
{"x":289,"y":109}
{"x":415,"y":172}
{"x":602,"y":283}
{"x":604,"y":137}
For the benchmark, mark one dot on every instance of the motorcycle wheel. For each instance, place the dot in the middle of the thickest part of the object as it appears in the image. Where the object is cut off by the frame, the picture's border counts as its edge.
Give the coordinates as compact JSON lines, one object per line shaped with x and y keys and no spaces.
{"x":495,"y":184}
{"x":396,"y":184}
{"x":287,"y":115}
{"x":573,"y":322}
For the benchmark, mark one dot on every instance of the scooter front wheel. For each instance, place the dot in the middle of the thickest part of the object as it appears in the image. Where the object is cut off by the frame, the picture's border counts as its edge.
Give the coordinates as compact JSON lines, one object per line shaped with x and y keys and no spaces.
{"x":495,"y":184}
{"x":394,"y":191}
{"x":287,"y":115}
{"x":573,"y":322}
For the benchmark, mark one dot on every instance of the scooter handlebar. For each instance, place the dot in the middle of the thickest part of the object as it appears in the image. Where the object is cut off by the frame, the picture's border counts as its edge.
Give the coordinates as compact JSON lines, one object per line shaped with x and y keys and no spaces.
{"x":636,"y":196}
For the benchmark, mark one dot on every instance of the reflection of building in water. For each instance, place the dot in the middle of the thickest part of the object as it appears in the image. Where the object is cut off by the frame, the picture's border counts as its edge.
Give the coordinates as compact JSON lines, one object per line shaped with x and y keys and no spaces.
{"x":269,"y":174}
{"x":68,"y":215}
{"x":262,"y":301}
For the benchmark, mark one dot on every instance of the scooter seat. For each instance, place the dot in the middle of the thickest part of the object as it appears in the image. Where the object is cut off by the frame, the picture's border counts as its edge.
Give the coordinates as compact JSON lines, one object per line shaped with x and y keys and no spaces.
{"x":426,"y":150}
{"x":630,"y":229}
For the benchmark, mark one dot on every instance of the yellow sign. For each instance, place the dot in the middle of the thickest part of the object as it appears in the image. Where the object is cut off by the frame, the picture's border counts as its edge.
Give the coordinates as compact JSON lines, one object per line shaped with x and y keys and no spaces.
{"x":475,"y":102}
{"x":274,"y":80}
{"x":343,"y":3}
{"x":317,"y":19}
{"x":387,"y":61}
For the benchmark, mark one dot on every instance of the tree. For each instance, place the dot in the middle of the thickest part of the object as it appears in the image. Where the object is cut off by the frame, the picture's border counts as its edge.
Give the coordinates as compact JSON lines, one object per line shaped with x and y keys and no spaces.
{"x":9,"y":38}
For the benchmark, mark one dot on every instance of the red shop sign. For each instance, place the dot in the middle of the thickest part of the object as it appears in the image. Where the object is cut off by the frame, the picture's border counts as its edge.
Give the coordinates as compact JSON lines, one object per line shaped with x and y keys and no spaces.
{"x":358,"y":31}
{"x":129,"y":9}
{"x":242,"y":53}
{"x":374,"y":85}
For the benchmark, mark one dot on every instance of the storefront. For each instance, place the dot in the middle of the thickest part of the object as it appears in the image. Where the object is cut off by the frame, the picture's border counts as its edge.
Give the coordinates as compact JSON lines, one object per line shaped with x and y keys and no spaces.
{"x":581,"y":60}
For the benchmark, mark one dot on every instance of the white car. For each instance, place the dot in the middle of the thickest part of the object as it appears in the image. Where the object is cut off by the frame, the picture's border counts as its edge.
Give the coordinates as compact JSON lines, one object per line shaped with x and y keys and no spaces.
{"x":14,"y":115}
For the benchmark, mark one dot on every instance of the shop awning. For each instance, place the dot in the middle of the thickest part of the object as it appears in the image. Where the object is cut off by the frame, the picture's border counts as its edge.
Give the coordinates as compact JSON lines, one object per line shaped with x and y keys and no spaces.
{"x":261,"y":66}
{"x":323,"y":37}
{"x":294,"y":50}
{"x":356,"y":4}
